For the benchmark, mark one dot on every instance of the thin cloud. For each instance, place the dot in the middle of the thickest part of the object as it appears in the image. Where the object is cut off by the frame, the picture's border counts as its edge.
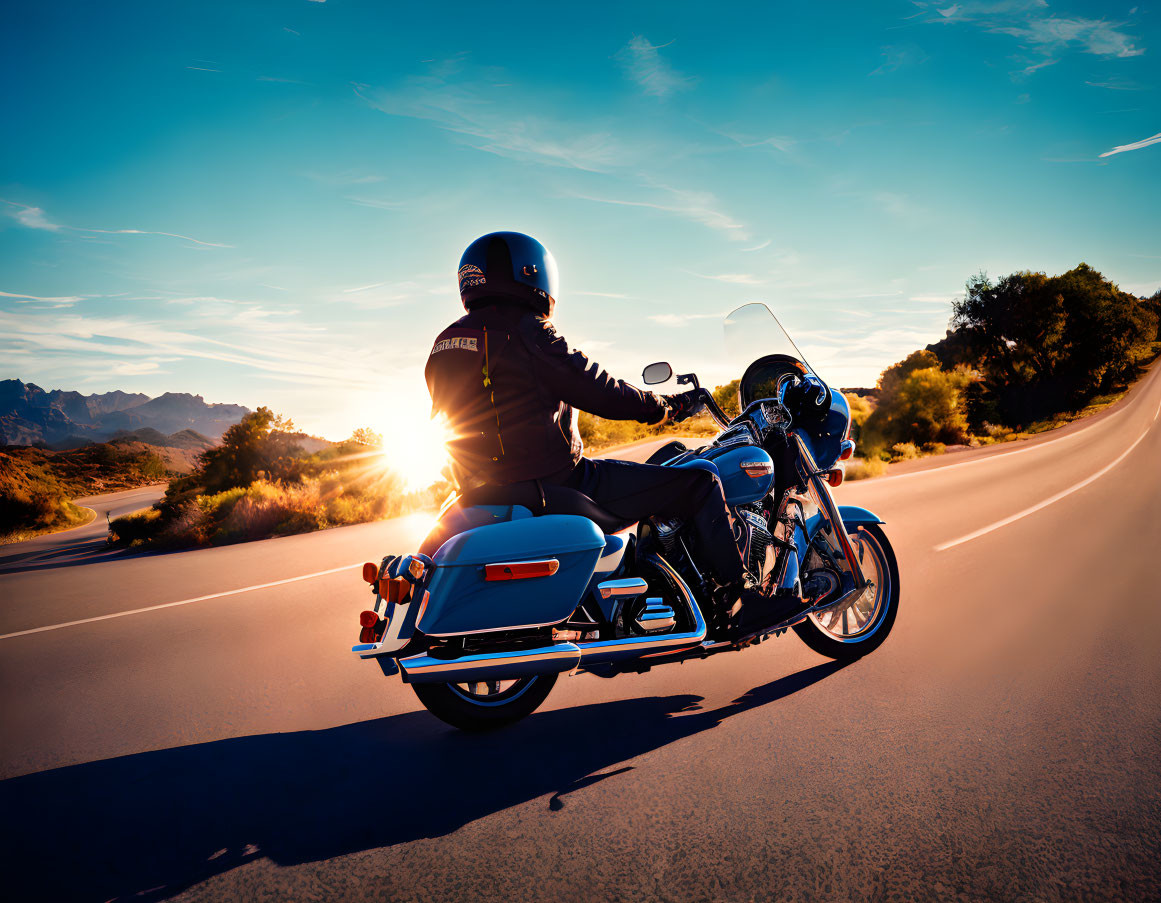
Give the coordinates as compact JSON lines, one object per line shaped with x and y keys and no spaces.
{"x":602,"y":295}
{"x":55,"y":301}
{"x":676,"y":320}
{"x":731,"y":278}
{"x":1136,"y":145}
{"x":1029,"y":22}
{"x":644,"y":65}
{"x":696,"y":206}
{"x":35,"y":218}
{"x":764,"y":244}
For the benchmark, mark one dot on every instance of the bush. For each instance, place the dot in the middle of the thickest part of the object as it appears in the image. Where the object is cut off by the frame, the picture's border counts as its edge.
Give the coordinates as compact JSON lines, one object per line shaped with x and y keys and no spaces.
{"x":919,"y":403}
{"x":865,"y":468}
{"x":134,"y":529}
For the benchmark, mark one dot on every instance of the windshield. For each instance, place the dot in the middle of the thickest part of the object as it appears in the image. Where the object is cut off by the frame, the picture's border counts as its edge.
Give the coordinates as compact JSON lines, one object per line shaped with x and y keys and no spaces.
{"x":753,"y":332}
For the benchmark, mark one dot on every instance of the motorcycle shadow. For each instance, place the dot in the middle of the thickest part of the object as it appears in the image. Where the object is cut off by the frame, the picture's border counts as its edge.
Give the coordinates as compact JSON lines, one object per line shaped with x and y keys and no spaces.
{"x":152,"y":824}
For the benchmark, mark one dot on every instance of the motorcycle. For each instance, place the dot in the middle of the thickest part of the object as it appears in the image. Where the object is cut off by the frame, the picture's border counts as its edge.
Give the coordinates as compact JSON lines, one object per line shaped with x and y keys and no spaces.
{"x":519,"y":585}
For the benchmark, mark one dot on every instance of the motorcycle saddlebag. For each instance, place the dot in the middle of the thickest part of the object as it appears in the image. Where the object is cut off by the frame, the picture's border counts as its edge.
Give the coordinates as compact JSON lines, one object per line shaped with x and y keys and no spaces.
{"x":462,"y":600}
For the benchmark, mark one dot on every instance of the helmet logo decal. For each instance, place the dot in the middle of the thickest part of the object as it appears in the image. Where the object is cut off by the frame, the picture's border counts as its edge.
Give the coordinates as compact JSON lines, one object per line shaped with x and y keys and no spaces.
{"x":530,"y":270}
{"x":471,"y":275}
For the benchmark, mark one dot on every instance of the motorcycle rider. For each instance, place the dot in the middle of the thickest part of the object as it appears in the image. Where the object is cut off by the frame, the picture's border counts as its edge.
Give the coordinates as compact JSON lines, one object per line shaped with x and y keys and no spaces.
{"x":511,"y":388}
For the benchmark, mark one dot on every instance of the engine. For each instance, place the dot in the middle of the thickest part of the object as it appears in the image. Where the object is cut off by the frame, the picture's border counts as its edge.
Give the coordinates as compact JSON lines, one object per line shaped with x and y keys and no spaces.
{"x":752,"y":532}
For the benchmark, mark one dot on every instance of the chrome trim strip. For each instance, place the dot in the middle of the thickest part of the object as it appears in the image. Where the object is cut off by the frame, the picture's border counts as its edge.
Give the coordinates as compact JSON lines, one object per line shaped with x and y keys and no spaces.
{"x":627,"y":586}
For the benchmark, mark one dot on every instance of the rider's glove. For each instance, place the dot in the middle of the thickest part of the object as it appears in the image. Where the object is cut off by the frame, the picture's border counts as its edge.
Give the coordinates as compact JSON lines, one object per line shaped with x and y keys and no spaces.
{"x":682,"y":405}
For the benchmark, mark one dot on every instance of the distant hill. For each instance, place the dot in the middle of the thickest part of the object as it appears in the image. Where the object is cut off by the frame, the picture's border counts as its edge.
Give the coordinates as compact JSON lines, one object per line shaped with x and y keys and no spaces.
{"x":30,"y":415}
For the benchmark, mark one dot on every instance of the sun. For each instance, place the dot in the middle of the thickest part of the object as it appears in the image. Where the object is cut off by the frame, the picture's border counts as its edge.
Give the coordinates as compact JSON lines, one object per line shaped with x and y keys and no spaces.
{"x":415,"y":447}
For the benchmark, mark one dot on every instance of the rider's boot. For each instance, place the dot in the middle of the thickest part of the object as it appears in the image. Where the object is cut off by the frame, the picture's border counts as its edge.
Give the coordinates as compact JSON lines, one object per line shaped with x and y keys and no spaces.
{"x":744,"y":608}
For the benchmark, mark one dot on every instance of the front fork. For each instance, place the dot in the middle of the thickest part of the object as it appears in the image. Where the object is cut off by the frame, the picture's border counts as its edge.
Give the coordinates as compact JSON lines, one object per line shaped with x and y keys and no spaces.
{"x":831,"y":519}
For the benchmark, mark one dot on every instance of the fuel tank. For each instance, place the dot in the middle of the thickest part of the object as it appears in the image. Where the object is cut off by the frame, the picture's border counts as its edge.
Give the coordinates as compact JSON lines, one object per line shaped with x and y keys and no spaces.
{"x":746,"y":471}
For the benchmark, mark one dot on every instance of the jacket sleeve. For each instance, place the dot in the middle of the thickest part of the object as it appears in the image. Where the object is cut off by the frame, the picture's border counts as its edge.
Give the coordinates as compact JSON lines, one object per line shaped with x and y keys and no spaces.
{"x":582,"y":383}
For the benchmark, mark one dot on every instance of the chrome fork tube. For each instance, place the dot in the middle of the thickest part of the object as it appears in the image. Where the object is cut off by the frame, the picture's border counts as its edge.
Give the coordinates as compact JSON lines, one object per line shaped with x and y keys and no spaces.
{"x":831,"y":512}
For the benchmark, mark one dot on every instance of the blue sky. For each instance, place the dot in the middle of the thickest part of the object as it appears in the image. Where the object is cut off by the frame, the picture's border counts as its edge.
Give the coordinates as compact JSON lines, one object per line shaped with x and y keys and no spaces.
{"x":265,"y":203}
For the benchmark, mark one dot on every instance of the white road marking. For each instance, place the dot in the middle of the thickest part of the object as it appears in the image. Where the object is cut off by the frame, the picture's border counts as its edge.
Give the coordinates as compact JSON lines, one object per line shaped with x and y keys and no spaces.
{"x":137,"y":611}
{"x":1044,"y":504}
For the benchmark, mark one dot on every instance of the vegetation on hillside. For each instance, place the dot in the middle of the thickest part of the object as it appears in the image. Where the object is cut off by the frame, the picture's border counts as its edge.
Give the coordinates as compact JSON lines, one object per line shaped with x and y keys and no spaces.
{"x":259,"y":482}
{"x":36,"y":485}
{"x":1025,"y":353}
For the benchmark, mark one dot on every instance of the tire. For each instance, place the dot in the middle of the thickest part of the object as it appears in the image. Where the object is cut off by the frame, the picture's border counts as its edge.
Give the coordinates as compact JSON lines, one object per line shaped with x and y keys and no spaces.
{"x":869,"y":636}
{"x":453,"y":705}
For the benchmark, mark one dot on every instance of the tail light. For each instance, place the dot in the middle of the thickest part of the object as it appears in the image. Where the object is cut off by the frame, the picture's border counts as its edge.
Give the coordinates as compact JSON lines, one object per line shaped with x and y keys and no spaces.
{"x":846,"y":449}
{"x":371,"y":572}
{"x":372,"y":626}
{"x":521,"y":570}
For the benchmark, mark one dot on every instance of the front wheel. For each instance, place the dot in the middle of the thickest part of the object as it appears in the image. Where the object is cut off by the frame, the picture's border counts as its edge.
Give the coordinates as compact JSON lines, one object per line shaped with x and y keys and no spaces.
{"x":852,"y":632}
{"x":486,"y":704}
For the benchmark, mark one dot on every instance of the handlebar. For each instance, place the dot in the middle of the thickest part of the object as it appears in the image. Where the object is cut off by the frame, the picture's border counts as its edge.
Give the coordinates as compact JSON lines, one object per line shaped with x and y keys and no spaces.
{"x":707,"y":400}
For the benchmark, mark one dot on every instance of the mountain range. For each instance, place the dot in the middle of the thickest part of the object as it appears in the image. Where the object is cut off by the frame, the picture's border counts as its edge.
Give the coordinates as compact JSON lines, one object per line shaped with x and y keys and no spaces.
{"x":29,"y":414}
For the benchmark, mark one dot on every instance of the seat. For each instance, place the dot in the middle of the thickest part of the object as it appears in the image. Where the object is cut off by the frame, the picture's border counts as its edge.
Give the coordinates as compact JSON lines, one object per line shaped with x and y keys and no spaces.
{"x":541,"y":498}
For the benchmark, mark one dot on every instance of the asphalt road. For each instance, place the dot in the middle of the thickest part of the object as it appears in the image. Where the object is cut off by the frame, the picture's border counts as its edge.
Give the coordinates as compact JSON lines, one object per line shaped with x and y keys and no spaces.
{"x":1005,"y":743}
{"x":80,"y":545}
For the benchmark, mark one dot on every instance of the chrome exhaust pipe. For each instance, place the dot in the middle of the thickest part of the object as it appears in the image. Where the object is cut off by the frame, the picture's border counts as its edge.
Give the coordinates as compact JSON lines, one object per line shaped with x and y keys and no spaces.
{"x":554,"y":659}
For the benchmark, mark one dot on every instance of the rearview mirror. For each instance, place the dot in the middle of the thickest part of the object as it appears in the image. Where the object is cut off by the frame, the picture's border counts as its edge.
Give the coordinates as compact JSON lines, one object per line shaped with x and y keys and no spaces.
{"x":660,"y":372}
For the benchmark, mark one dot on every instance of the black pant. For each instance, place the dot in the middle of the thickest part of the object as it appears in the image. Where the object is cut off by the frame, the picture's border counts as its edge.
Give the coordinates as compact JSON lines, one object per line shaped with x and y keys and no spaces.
{"x":638,"y":491}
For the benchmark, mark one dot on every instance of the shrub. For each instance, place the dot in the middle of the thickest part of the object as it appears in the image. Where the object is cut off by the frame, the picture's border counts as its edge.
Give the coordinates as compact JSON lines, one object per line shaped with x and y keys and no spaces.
{"x":135,"y":529}
{"x":865,"y":468}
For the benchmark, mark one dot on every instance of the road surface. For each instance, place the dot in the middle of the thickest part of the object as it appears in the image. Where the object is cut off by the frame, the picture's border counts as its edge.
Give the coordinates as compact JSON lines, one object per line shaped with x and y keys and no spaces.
{"x":192,"y":725}
{"x":84,"y":544}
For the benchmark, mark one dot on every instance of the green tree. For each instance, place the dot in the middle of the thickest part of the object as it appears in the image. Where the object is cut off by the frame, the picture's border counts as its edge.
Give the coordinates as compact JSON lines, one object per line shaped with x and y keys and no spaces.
{"x":1045,"y":344}
{"x":919,"y":402}
{"x":727,"y":398}
{"x":258,"y":446}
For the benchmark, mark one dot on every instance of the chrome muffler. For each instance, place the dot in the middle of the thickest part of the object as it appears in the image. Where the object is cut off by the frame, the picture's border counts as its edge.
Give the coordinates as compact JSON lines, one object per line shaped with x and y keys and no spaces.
{"x":554,"y":659}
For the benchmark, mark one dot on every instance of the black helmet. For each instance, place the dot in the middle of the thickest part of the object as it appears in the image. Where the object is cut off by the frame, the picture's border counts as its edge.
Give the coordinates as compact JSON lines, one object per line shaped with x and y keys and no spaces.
{"x":508,"y":266}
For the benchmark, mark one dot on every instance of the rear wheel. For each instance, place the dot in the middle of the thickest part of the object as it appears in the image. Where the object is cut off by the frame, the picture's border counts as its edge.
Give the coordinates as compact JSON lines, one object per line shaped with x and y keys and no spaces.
{"x":853,"y":631}
{"x":486,"y":704}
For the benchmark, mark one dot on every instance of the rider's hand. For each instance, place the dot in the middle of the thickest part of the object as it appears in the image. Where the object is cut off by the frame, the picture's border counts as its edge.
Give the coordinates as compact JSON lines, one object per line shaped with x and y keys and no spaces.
{"x":682,"y":405}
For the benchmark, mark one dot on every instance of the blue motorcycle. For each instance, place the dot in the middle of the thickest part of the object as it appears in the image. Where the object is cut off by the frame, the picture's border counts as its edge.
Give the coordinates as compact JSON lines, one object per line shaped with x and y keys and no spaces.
{"x":511,"y":591}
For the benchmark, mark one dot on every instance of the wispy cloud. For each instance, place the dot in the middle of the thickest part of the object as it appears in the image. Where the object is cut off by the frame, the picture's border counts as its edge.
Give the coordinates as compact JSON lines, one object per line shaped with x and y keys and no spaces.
{"x":677,"y":320}
{"x":602,"y":295}
{"x":1037,"y":29}
{"x":464,"y":109}
{"x":54,"y":301}
{"x":644,"y":65}
{"x":1136,"y":145}
{"x":731,"y":278}
{"x":759,"y":247}
{"x":899,"y":56}
{"x":35,"y":218}
{"x":697,"y":206}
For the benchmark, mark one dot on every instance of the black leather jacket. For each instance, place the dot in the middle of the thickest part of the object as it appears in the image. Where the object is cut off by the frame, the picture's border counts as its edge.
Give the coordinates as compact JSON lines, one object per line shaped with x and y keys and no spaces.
{"x":510,"y":387}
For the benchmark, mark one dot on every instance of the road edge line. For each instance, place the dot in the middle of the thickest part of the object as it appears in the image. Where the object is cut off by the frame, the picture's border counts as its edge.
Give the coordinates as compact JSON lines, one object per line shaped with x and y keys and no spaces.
{"x":137,"y":611}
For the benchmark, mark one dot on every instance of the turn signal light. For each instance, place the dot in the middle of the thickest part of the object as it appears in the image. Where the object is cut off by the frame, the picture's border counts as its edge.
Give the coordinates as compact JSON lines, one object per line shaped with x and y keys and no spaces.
{"x":847,"y":449}
{"x":370,"y":572}
{"x":835,"y":477}
{"x":394,"y":589}
{"x":521,"y":570}
{"x":368,"y":619}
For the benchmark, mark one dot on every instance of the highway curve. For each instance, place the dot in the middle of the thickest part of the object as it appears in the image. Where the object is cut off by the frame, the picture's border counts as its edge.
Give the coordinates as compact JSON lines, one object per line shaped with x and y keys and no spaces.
{"x":192,"y":725}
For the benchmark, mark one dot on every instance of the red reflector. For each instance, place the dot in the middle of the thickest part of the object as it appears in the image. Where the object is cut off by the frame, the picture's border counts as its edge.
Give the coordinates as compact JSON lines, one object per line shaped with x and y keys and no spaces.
{"x":368,"y":619}
{"x":394,"y":589}
{"x":835,"y":477}
{"x":521,"y":570}
{"x":370,"y":572}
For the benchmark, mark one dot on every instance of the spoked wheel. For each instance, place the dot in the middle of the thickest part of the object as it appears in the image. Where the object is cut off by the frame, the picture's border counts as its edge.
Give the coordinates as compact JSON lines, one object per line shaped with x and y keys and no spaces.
{"x":853,"y":631}
{"x":486,"y":704}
